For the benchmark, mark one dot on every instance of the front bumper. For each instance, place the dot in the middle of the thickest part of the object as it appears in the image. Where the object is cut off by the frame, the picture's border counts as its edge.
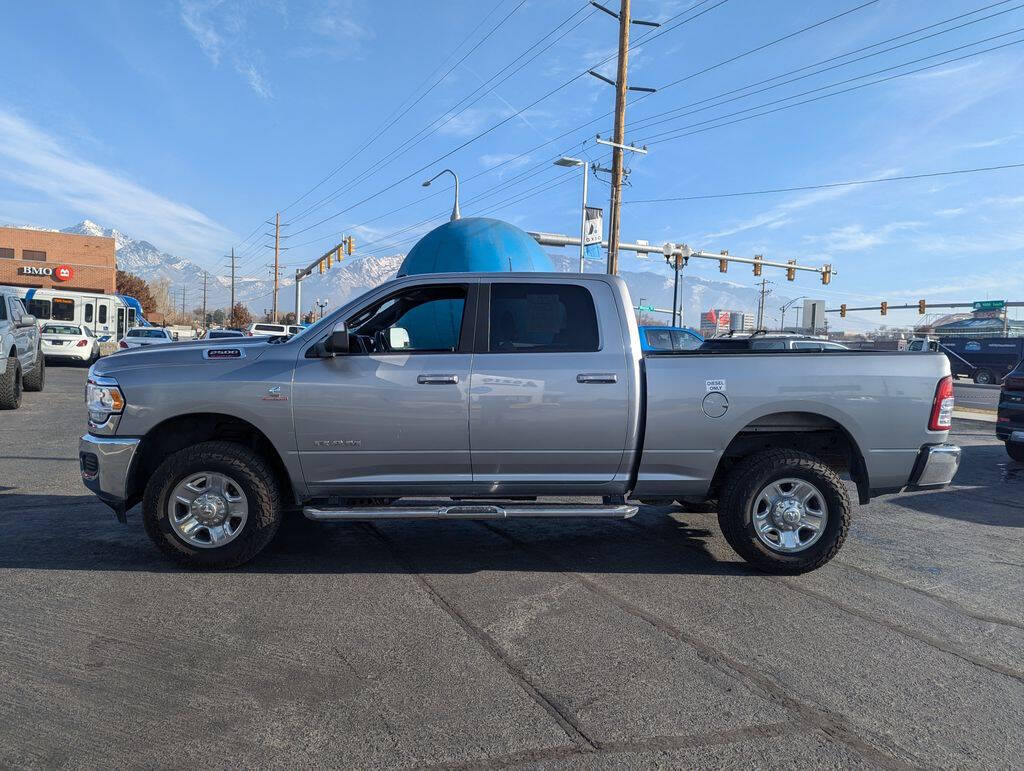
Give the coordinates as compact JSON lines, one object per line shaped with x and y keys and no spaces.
{"x":106,"y":462}
{"x":936,"y":466}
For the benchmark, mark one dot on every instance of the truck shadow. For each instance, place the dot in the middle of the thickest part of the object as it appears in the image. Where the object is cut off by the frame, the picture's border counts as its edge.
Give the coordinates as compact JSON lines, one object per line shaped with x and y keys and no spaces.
{"x":994,"y":494}
{"x":74,"y":532}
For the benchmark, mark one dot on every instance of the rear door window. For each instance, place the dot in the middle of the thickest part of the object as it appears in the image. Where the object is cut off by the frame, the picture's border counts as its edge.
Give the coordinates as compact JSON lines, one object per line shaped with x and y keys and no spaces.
{"x":684,"y":341}
{"x":542,"y":318}
{"x":659,"y":339}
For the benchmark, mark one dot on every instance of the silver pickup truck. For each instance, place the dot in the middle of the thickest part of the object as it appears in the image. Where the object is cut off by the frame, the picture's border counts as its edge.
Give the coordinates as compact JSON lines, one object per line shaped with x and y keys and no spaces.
{"x":478,"y":395}
{"x":22,"y":364}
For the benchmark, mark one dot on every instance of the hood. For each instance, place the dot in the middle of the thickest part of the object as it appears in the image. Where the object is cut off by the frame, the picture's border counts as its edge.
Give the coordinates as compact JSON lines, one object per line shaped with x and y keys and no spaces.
{"x":186,"y":353}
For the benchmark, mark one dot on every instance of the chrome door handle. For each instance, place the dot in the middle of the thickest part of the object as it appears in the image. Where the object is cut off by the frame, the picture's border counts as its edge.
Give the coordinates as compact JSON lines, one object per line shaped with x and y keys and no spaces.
{"x":437,"y":379}
{"x":597,"y":377}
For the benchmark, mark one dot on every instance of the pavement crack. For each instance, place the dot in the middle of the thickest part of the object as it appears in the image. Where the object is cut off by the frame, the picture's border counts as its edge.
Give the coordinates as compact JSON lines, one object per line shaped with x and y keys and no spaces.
{"x":809,"y":713}
{"x":558,"y":712}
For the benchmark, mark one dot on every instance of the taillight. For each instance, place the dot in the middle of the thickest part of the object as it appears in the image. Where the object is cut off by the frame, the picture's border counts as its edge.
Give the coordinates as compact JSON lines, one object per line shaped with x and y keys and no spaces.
{"x":82,"y":343}
{"x":942,"y":406}
{"x":122,"y":344}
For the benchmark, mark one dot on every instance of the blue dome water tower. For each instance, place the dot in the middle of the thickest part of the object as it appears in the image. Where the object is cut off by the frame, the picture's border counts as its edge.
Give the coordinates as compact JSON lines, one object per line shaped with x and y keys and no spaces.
{"x":475,"y":245}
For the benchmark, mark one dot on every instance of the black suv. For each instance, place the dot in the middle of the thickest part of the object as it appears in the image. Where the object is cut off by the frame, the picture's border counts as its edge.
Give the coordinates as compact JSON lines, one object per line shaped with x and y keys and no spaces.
{"x":1010,"y":420}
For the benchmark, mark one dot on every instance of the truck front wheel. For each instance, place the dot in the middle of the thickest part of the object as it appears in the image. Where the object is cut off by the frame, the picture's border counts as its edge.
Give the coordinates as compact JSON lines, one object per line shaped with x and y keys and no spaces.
{"x":212,"y":505}
{"x":1015,"y":451}
{"x":10,"y":385}
{"x":36,"y":379}
{"x":784,"y":511}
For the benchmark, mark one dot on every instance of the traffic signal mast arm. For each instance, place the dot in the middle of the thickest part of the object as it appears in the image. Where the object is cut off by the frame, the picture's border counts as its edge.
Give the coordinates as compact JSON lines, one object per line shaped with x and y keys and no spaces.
{"x":921,"y":306}
{"x":682,"y":250}
{"x":347,"y":246}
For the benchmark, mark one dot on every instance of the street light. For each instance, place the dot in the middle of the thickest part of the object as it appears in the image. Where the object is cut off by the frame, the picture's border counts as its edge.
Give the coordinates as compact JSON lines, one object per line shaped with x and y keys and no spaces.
{"x":786,"y":307}
{"x":566,"y":161}
{"x":455,"y":209}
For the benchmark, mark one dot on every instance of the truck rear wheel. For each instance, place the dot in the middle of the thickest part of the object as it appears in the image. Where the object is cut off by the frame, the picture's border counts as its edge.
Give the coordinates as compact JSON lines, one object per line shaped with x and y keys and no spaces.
{"x":36,"y":379}
{"x":212,"y":505}
{"x":984,"y":377}
{"x":784,"y":511}
{"x":10,"y":385}
{"x":1015,"y":451}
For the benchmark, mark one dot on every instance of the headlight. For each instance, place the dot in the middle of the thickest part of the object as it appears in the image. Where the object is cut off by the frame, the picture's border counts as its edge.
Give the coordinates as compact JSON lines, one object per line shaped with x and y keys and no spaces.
{"x":103,"y":398}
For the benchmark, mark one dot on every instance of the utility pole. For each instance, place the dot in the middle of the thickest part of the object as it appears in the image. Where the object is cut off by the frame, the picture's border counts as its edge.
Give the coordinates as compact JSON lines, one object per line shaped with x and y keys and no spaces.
{"x":277,"y":251}
{"x":232,"y":308}
{"x":619,"y":139}
{"x":765,"y":291}
{"x":206,"y":275}
{"x":618,"y":143}
{"x":183,"y":302}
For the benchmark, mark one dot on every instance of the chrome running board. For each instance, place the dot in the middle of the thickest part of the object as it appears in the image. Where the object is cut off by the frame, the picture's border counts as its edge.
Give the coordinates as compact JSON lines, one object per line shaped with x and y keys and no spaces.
{"x":470,"y":511}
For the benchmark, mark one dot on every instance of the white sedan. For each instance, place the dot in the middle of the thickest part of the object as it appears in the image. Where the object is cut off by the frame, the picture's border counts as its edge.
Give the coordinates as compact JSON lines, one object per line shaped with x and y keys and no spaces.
{"x":143,"y":336}
{"x":71,"y":342}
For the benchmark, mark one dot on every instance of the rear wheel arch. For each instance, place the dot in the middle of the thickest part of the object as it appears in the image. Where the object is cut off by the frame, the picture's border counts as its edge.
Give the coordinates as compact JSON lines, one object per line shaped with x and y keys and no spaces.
{"x":183,"y":431}
{"x":810,"y":432}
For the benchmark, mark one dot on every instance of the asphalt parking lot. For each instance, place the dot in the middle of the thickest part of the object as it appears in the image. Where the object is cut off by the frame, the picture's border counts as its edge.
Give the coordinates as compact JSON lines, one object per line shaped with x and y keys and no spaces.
{"x":550,"y":644}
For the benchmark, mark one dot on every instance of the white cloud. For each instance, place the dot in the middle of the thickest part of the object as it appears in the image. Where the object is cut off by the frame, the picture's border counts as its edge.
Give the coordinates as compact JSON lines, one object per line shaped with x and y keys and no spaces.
{"x":193,"y":16}
{"x":39,"y":162}
{"x":991,"y":142}
{"x":851,"y":238}
{"x":780,"y":215}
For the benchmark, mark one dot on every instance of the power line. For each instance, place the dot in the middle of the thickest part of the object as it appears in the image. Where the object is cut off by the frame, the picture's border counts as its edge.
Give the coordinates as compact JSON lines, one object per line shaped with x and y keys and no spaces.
{"x":399,"y":112}
{"x":465,"y":144}
{"x":803,"y":188}
{"x":647,"y":122}
{"x":671,"y":134}
{"x":448,"y":115}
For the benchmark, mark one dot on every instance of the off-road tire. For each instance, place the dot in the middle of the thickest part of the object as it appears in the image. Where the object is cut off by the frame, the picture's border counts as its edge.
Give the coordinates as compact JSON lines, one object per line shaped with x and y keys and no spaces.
{"x":745,"y":482}
{"x":36,"y":379}
{"x":1016,"y":451}
{"x":10,"y":385}
{"x":251,"y":472}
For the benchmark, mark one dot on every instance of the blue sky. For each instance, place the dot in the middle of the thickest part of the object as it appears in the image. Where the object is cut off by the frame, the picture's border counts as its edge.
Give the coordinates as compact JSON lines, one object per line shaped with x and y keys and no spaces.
{"x":188,"y":123}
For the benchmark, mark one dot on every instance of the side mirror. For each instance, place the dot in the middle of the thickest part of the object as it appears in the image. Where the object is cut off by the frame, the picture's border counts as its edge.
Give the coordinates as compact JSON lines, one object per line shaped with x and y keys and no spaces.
{"x":398,"y":338}
{"x":336,"y":342}
{"x":27,"y":320}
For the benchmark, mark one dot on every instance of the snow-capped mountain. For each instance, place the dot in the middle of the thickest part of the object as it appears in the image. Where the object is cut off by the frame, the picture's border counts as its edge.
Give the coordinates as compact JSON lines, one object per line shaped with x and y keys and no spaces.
{"x":357,"y":274}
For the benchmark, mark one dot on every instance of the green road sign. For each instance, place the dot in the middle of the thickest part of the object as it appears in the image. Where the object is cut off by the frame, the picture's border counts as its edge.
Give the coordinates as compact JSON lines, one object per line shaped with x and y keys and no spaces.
{"x":645,"y":307}
{"x":989,"y":305}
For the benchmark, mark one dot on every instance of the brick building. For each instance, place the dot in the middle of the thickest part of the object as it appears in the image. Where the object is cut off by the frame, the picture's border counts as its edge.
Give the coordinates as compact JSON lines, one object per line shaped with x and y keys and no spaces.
{"x":43,"y":259}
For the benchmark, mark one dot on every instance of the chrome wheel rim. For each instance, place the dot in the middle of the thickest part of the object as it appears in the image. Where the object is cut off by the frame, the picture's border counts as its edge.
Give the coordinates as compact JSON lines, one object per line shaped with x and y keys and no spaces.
{"x":789,"y":515}
{"x":207,"y":509}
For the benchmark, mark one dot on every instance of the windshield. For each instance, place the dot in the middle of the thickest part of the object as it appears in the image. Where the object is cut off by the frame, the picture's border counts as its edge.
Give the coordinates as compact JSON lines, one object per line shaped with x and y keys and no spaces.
{"x":55,"y":329}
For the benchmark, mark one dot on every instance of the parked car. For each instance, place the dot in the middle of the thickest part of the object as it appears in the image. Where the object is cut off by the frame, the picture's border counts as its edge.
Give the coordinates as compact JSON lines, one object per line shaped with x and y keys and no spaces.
{"x":490,"y":391}
{"x":1010,"y":414}
{"x":266,"y":329}
{"x":669,"y":339}
{"x":216,"y":334}
{"x":69,"y":342}
{"x":770,"y":342}
{"x":22,"y":364}
{"x":141,"y":337}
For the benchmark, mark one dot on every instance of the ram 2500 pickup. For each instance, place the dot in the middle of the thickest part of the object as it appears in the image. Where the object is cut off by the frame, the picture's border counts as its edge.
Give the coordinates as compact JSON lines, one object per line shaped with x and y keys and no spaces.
{"x":488,"y":392}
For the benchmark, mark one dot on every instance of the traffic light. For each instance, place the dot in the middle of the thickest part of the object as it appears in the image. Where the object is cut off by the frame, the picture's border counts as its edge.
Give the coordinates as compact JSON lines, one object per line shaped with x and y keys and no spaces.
{"x":321,"y":266}
{"x":350,"y":245}
{"x":757,"y":264}
{"x":791,"y":272}
{"x":330,"y":257}
{"x":842,"y":311}
{"x":921,"y":307}
{"x":826,"y":274}
{"x":723,"y":266}
{"x":885,"y":308}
